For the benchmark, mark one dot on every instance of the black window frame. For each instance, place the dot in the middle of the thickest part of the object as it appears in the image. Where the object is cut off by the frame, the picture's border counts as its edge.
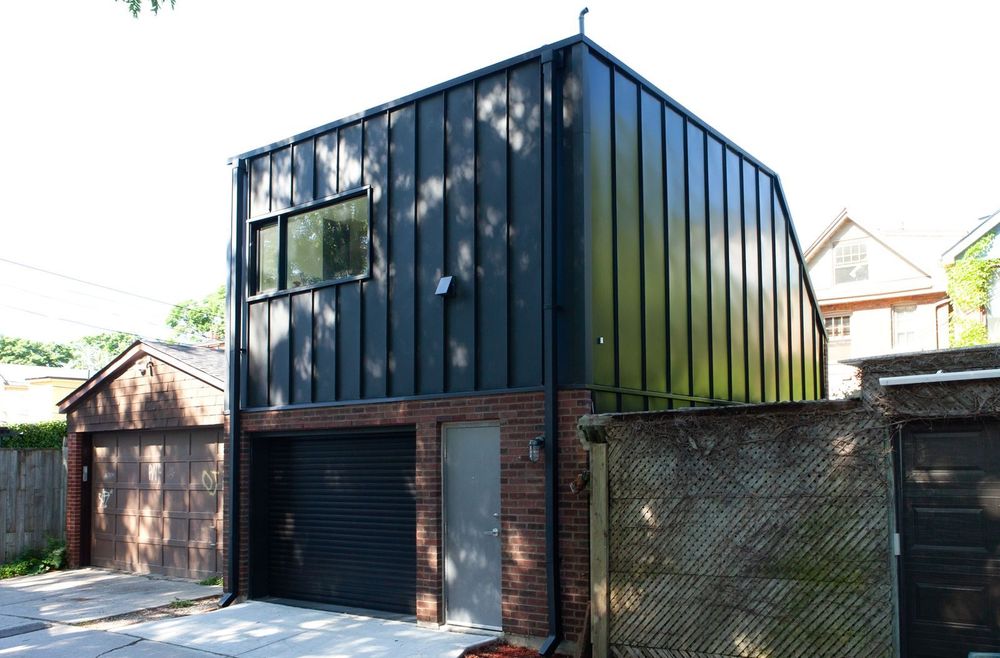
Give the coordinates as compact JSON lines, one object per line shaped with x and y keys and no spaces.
{"x":280,"y":219}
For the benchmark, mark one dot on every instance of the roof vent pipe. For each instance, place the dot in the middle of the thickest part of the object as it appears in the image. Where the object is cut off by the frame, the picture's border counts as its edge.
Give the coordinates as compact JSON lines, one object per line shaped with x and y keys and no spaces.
{"x":582,"y":14}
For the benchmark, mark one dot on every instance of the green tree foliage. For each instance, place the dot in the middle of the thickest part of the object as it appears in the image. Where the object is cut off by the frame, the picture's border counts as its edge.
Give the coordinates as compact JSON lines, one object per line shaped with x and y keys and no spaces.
{"x":94,"y":352}
{"x":135,"y":6}
{"x":200,"y":319}
{"x":969,"y":281}
{"x":34,"y":353}
{"x":27,"y":436}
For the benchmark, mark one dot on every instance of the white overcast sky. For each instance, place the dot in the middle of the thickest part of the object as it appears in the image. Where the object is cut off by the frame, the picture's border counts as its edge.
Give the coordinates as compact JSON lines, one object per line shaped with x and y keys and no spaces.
{"x":116,"y":132}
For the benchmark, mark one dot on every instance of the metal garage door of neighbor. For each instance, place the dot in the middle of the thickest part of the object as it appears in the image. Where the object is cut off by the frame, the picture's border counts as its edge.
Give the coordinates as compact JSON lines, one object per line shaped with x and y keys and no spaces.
{"x":950,"y":523}
{"x":340,"y":520}
{"x":157,"y":502}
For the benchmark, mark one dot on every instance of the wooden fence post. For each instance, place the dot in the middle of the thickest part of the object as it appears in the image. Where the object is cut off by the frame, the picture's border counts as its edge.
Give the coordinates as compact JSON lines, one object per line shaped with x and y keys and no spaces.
{"x":592,"y":435}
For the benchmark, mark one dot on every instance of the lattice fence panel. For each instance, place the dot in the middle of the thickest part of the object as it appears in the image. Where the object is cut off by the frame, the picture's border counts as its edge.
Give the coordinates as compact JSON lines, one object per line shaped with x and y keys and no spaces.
{"x":750,"y":534}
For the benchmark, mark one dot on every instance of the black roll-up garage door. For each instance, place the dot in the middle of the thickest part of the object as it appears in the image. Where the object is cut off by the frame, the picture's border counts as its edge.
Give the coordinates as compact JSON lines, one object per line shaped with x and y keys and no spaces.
{"x":341,"y":520}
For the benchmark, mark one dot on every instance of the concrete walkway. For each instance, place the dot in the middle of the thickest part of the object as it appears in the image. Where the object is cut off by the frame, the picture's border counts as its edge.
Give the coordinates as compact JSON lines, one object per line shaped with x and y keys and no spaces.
{"x":36,"y":613}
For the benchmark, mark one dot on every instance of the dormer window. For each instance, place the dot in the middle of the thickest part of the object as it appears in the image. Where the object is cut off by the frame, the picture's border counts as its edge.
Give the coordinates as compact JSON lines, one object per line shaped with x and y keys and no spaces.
{"x":850,"y":262}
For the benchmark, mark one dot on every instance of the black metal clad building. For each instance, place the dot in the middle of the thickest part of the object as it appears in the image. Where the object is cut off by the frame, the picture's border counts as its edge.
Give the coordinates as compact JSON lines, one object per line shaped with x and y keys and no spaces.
{"x":679,"y":278}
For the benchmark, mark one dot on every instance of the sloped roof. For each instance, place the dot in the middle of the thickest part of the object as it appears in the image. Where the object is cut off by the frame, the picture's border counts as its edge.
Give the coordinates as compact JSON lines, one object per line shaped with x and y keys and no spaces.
{"x":207,"y":364}
{"x":892,"y":242}
{"x":986,"y":224}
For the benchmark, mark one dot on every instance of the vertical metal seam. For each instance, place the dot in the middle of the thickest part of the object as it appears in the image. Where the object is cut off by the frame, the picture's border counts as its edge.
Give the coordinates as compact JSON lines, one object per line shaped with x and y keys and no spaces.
{"x":614,"y":233}
{"x":728,"y":272}
{"x":477,"y":344}
{"x":774,"y":285}
{"x":746,"y":284}
{"x":802,"y":328}
{"x":312,"y":192}
{"x":312,"y":345}
{"x":640,"y":169}
{"x":415,"y":373}
{"x":708,"y":268}
{"x":687,"y":256}
{"x":665,"y":191}
{"x":760,"y":301}
{"x":506,"y":245}
{"x":363,"y":283}
{"x":387,"y":249}
{"x":336,"y":348}
{"x":445,"y":178}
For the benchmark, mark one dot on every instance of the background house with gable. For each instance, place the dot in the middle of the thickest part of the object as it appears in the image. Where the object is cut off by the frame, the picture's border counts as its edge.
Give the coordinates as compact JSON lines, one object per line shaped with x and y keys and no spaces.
{"x":880,"y":291}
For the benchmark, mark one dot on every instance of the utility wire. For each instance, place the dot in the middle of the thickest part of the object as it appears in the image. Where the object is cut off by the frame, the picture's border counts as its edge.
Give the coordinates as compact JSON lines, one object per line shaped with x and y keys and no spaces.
{"x":70,"y":301}
{"x":59,"y":319}
{"x":98,"y":285}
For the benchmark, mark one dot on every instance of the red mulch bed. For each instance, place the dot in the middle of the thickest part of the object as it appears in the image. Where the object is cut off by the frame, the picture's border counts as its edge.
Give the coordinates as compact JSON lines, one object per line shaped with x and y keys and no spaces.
{"x":503,"y":650}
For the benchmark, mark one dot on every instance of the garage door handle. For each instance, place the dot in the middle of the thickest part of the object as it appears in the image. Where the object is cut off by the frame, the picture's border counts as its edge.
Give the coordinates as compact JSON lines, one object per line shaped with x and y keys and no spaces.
{"x":495,"y":532}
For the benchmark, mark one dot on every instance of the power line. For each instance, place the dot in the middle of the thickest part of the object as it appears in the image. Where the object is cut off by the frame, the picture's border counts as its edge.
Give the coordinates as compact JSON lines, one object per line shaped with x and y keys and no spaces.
{"x":70,"y":301}
{"x":59,"y":319}
{"x":98,"y":285}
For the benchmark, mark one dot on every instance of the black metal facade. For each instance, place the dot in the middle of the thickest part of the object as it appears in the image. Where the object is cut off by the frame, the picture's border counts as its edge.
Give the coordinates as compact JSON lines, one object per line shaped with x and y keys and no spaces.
{"x":679,"y":278}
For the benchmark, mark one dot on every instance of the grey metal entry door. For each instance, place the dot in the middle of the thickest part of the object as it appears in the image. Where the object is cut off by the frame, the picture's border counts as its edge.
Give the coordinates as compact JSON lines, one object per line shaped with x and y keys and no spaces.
{"x":472,"y":526}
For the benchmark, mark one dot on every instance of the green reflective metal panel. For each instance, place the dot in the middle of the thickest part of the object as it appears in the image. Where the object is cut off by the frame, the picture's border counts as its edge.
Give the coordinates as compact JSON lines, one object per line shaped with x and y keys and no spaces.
{"x":737,"y":276}
{"x":767,"y":291}
{"x":601,"y":233}
{"x":653,"y":237}
{"x":781,"y":284}
{"x":628,"y":239}
{"x":751,"y":235}
{"x":718,"y":270}
{"x":677,"y":268}
{"x":697,"y":248}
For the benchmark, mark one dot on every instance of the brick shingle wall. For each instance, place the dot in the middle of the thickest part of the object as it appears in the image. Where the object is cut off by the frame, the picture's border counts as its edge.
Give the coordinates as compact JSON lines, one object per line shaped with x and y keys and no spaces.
{"x":522,"y":494}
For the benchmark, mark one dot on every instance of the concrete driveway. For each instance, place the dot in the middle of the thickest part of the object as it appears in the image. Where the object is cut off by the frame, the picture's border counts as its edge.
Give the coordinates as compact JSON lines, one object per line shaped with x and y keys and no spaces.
{"x":38,"y":613}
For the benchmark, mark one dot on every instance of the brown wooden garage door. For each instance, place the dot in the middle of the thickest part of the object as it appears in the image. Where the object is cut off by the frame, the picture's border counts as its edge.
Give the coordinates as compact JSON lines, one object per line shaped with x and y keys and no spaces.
{"x":157,"y":502}
{"x":951,"y":532}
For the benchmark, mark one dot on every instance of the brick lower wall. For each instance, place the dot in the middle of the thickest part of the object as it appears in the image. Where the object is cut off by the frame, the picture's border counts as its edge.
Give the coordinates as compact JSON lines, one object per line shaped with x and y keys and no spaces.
{"x":76,"y":449}
{"x":522,"y":496}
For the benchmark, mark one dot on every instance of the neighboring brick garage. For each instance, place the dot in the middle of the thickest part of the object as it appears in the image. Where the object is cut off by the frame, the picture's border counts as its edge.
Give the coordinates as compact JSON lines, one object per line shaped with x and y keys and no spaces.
{"x":145,"y":463}
{"x":519,"y":417}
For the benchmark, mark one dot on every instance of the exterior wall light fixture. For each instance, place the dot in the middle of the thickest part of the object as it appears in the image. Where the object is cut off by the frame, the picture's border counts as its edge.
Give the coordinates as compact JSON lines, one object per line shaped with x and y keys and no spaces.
{"x":535,"y":447}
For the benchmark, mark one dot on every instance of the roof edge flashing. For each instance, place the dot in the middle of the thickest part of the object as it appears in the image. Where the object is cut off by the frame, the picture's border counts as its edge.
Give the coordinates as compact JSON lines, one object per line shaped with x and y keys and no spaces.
{"x":940,"y":376}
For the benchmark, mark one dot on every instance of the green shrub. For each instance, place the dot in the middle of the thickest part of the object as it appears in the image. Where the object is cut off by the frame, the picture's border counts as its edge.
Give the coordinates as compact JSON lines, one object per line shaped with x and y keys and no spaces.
{"x":211,"y":580}
{"x":33,"y":562}
{"x":27,"y":436}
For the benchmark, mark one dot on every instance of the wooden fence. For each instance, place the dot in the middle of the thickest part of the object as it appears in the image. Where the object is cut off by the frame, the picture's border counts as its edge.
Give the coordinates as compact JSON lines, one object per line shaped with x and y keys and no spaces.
{"x":32,"y":499}
{"x":748,"y":532}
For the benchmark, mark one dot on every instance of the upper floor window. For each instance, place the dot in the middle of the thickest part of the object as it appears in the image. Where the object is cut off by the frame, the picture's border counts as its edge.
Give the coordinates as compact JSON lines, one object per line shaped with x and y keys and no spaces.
{"x":325,"y":242}
{"x":850,"y":262}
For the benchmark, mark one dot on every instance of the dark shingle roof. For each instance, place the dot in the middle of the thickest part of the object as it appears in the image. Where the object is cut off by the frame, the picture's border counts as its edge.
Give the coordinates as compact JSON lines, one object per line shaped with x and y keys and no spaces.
{"x":209,"y":360}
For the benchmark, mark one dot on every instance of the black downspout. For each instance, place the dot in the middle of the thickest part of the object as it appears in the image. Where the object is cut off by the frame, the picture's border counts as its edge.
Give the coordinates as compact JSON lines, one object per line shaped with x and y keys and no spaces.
{"x":553,"y":108}
{"x":234,"y":305}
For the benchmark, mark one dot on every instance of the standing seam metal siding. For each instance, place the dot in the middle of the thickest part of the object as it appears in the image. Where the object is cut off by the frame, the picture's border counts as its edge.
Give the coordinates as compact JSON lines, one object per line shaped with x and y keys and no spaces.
{"x":697,"y":287}
{"x":679,"y":277}
{"x":456,"y":180}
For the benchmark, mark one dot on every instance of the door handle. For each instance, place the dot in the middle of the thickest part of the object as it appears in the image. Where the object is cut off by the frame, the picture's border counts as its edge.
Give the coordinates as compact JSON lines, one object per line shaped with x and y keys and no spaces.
{"x":495,"y":532}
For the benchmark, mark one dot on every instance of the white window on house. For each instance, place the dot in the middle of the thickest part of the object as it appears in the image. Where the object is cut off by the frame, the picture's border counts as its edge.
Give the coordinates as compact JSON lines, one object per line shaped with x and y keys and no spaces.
{"x":838,"y":326}
{"x":850,"y":262}
{"x":905,"y":334}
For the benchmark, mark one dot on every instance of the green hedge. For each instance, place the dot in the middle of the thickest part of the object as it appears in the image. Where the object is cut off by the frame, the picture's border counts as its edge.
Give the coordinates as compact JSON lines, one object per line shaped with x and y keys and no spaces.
{"x":26,"y":436}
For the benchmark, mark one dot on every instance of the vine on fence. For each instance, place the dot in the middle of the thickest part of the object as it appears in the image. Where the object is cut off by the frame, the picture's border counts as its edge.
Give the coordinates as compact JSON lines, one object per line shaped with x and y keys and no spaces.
{"x":970,"y":280}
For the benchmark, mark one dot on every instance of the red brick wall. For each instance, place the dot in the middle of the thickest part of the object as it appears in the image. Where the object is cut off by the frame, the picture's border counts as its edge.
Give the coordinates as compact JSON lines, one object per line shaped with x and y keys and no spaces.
{"x":164,"y":397}
{"x":76,"y":447}
{"x":522,"y":495}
